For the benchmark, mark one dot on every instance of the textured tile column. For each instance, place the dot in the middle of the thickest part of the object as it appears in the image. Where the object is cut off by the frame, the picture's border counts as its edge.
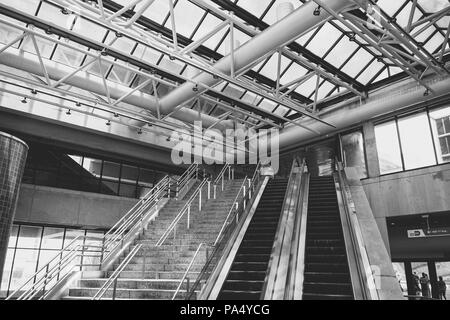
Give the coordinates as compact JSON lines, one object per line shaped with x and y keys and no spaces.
{"x":13,"y":154}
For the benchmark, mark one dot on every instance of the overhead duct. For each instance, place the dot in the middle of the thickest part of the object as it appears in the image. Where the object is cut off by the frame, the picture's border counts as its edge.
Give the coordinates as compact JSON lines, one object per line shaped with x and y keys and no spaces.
{"x":279,"y":34}
{"x":344,"y":116}
{"x":28,"y":62}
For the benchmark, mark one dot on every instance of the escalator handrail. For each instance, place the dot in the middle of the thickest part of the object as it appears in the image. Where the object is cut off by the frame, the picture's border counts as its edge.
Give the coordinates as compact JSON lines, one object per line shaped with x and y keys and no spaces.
{"x":272,"y":271}
{"x":253,"y":183}
{"x":365,"y":275}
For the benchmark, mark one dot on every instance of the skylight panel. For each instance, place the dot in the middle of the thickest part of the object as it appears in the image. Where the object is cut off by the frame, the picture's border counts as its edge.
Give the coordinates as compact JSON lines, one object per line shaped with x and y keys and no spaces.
{"x":434,"y":43}
{"x":187,"y":17}
{"x":357,"y":63}
{"x":157,"y":11}
{"x":324,"y":39}
{"x":294,"y":72}
{"x":27,"y":6}
{"x":369,"y":72}
{"x":341,"y":52}
{"x":270,"y":68}
{"x":432,"y":6}
{"x":207,"y":25}
{"x":257,"y":8}
{"x":403,"y":16}
{"x":389,"y":6}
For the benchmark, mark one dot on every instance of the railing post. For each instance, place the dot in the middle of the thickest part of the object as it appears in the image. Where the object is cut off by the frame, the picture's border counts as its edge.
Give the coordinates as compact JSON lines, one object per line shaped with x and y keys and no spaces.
{"x":200,"y":199}
{"x":229,"y":172}
{"x":168,"y":191}
{"x":209,"y":189}
{"x":215,"y":189}
{"x":187,"y":284}
{"x":143,"y":264}
{"x":177,"y":191}
{"x":189,"y":216}
{"x":45,"y":281}
{"x":114,"y":289}
{"x":223,"y":181}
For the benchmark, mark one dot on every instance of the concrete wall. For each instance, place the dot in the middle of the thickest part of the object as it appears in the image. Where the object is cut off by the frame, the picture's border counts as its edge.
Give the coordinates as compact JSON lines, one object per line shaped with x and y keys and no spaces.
{"x":45,"y":205}
{"x":405,"y":193}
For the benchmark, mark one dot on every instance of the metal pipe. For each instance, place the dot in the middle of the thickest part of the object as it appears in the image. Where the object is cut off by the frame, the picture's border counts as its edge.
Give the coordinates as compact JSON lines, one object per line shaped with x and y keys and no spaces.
{"x":278,"y":35}
{"x":381,"y":103}
{"x":29,"y":62}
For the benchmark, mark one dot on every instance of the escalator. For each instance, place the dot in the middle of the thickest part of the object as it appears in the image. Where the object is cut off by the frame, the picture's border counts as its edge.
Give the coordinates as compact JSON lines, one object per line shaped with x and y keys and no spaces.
{"x":327,"y":273}
{"x":245,"y":279}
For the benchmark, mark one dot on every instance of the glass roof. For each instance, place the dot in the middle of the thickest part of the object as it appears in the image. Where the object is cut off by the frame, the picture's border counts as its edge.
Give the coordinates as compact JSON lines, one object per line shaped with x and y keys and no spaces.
{"x":330,"y":44}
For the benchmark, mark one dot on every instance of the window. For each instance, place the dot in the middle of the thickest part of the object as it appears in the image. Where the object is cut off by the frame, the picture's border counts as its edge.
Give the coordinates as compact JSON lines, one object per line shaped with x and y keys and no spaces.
{"x":31,"y":247}
{"x":388,"y":147}
{"x":416,"y":141}
{"x":440,"y":124}
{"x":353,"y":152}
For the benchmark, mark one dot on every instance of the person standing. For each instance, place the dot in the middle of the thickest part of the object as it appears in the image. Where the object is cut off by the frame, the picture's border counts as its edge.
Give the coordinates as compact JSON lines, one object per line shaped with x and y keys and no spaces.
{"x":442,"y":288}
{"x":425,"y":285}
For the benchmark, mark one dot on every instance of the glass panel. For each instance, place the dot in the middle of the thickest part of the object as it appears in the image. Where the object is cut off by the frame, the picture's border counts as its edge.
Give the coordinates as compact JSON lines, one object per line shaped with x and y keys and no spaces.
{"x":24,"y":267}
{"x":6,"y":273}
{"x":443,"y":270}
{"x":421,"y":274}
{"x":72,"y":234}
{"x":388,"y":147}
{"x":13,"y":236}
{"x":53,"y":238}
{"x":440,"y":124}
{"x":416,"y":142}
{"x":399,"y":269}
{"x":353,"y":152}
{"x":30,"y":237}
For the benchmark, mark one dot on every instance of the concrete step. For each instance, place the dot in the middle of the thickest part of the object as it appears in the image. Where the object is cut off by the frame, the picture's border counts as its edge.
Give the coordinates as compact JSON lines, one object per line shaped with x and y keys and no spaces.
{"x":180,"y":267}
{"x":155,"y":274}
{"x":164,"y":284}
{"x":154,"y":294}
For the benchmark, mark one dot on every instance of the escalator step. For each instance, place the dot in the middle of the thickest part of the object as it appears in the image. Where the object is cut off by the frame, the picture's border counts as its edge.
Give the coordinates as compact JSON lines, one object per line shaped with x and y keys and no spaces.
{"x":239,"y":295}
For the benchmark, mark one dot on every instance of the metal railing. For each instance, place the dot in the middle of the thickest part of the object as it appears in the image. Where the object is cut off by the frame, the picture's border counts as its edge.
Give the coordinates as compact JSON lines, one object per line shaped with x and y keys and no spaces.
{"x":185,"y":211}
{"x":112,"y":241}
{"x":365,"y":275}
{"x":112,"y":281}
{"x":186,"y":273}
{"x":236,"y":213}
{"x":227,"y":170}
{"x":68,"y":259}
{"x":185,"y":178}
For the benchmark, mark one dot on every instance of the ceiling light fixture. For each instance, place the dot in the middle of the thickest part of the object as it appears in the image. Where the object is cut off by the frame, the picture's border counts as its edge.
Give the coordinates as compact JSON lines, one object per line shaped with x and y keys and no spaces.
{"x":24,"y":100}
{"x":68,"y":112}
{"x":317,"y":11}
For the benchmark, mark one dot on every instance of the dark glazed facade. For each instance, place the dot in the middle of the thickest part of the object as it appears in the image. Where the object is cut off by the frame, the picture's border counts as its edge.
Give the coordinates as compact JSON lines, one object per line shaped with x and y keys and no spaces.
{"x":13,"y":154}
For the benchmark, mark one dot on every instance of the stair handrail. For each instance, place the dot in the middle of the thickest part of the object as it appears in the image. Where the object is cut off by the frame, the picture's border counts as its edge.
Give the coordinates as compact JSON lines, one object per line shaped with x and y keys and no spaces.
{"x":52,"y":272}
{"x":115,"y":239}
{"x":110,"y":241}
{"x":185,"y":210}
{"x":186,"y":177}
{"x":365,"y":275}
{"x":220,"y":179}
{"x":112,"y":280}
{"x":234,"y":209}
{"x":188,"y":269}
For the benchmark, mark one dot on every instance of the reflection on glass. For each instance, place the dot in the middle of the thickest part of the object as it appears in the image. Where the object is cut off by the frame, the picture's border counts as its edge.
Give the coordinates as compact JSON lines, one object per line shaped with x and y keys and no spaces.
{"x":440,"y":124}
{"x":388,"y":147}
{"x":52,"y":238}
{"x":399,"y":269}
{"x":24,"y":267}
{"x":353,"y":152}
{"x":6,"y":273}
{"x":416,"y":142}
{"x":420,"y":269}
{"x":29,"y":237}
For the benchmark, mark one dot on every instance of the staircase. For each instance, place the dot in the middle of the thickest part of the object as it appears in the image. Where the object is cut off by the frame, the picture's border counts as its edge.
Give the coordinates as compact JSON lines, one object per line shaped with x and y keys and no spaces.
{"x":155,"y":272}
{"x":327,"y":273}
{"x":248,"y":271}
